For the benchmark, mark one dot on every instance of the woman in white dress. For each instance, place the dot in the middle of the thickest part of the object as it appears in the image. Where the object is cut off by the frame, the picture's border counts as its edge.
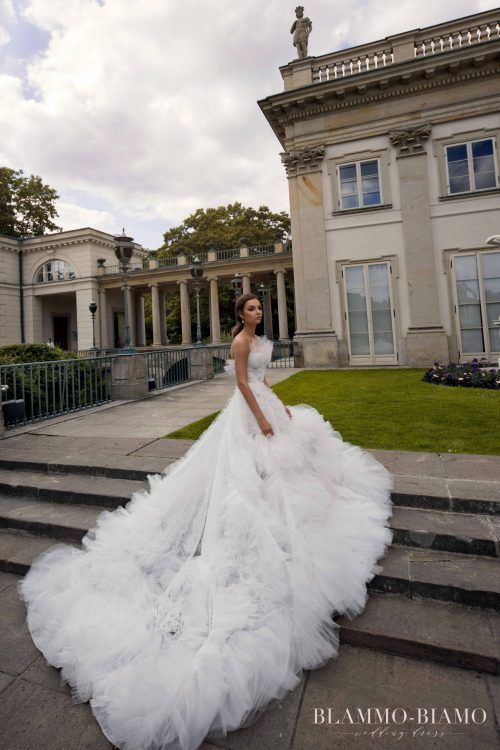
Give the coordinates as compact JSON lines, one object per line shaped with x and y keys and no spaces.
{"x":193,"y":608}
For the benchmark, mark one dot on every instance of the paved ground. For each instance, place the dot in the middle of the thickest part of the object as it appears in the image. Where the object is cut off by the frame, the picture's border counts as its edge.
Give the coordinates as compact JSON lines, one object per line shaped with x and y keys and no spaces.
{"x":151,"y":417}
{"x":36,"y":711}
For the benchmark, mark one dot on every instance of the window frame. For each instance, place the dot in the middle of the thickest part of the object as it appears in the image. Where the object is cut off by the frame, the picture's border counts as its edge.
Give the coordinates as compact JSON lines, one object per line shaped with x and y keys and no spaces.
{"x":392,"y":273}
{"x":470,"y":166}
{"x":439,"y":148}
{"x":381,"y":156}
{"x":478,"y":254}
{"x":68,"y":275}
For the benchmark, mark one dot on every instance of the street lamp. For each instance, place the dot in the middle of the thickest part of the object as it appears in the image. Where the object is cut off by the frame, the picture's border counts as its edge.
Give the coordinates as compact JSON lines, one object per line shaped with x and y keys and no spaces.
{"x":196,"y":270}
{"x":93,"y":310}
{"x":237,"y":284}
{"x":263,"y":292}
{"x":124,"y":249}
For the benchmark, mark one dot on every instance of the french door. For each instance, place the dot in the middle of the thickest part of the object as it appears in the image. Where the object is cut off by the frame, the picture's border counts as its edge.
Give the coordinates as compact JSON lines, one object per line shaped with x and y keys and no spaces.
{"x":369,"y":314}
{"x":477,"y":304}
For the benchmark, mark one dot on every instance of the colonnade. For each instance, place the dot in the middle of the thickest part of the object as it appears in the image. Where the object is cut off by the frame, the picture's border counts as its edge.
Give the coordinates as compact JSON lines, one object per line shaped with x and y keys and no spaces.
{"x":158,"y":295}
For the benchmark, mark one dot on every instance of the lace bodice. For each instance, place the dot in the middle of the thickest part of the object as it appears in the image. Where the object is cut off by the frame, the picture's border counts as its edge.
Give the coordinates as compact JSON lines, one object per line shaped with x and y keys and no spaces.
{"x":258,"y":358}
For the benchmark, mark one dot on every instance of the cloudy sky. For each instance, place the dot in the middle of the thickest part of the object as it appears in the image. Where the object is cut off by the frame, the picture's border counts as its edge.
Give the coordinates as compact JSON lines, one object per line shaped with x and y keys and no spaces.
{"x":140,"y":111}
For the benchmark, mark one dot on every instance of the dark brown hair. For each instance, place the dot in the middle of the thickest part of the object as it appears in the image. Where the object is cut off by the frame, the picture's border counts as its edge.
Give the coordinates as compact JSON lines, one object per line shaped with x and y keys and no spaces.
{"x":238,"y":309}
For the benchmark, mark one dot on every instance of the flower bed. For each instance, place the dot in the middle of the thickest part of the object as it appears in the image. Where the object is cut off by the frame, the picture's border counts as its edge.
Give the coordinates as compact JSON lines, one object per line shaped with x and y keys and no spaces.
{"x":473,"y":374}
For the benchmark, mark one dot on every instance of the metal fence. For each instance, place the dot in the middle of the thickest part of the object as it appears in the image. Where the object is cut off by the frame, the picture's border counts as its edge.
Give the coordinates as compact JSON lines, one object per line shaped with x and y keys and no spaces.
{"x":282,"y":355}
{"x":220,"y":353}
{"x":167,"y":367}
{"x":34,"y":391}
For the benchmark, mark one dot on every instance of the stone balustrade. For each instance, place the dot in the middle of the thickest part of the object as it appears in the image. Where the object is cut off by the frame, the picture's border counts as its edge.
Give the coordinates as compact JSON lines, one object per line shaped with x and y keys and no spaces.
{"x":398,"y":48}
{"x":452,"y":39}
{"x":215,"y":257}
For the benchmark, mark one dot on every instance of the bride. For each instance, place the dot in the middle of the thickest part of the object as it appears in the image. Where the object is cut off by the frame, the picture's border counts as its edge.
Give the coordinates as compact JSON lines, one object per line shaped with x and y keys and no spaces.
{"x":192,"y":609}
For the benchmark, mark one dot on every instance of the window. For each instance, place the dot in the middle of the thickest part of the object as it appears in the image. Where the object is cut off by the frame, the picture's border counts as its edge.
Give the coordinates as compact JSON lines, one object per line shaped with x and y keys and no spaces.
{"x":369,"y":313}
{"x":471,"y":166}
{"x":359,"y":184}
{"x":477,"y":279}
{"x":54,"y":270}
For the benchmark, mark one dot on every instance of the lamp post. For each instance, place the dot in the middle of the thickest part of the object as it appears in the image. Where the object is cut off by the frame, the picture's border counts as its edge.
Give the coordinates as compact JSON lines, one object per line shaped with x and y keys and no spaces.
{"x":237,"y":284}
{"x":196,"y":270}
{"x":93,"y":310}
{"x":124,"y":248}
{"x":263,"y":292}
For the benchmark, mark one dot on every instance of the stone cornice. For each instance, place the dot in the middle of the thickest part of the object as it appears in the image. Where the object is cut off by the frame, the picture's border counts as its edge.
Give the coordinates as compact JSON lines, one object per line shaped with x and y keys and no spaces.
{"x":65,"y":239}
{"x":399,"y":80}
{"x":303,"y":160}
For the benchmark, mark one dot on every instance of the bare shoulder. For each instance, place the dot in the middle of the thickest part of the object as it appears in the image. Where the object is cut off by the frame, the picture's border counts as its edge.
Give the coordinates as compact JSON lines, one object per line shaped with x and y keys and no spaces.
{"x":240,"y":346}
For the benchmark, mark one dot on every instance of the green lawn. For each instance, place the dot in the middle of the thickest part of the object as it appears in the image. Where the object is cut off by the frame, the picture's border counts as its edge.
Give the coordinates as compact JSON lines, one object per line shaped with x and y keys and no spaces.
{"x":392,"y":409}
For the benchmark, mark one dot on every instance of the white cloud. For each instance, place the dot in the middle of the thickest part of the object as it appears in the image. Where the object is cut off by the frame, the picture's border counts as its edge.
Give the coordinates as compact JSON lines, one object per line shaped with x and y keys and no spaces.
{"x":7,"y":19}
{"x":151,"y":107}
{"x":72,"y":216}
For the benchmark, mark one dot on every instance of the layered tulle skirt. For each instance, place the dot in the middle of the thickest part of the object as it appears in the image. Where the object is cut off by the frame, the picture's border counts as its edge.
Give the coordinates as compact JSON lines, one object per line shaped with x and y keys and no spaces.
{"x":190,"y":610}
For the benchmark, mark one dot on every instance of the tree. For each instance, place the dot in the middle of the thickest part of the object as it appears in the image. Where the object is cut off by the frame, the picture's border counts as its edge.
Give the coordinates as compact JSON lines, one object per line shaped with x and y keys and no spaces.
{"x":26,"y":204}
{"x":225,"y":226}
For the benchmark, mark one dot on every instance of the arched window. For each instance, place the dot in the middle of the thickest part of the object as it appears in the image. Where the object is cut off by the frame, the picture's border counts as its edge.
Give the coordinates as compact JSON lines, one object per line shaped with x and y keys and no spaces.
{"x":54,"y":270}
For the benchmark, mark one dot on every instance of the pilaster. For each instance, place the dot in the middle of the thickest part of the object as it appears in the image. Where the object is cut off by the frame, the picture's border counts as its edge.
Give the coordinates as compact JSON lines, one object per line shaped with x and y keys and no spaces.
{"x":315,"y":339}
{"x":426,"y":337}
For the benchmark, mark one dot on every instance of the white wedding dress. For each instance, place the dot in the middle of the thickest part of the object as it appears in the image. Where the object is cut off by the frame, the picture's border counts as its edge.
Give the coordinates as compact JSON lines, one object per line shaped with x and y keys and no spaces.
{"x":195,"y":606}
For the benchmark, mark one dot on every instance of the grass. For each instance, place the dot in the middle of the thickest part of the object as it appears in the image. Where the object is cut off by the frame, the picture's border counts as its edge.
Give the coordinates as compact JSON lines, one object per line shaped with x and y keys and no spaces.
{"x":391,"y":409}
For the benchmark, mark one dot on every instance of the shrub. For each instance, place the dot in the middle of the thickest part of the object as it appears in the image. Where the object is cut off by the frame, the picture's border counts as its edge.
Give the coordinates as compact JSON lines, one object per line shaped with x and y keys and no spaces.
{"x":11,"y":354}
{"x":473,"y":374}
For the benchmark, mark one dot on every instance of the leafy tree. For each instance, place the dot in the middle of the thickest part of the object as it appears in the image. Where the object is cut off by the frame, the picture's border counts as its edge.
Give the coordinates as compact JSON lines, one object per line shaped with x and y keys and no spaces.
{"x":26,"y":204}
{"x":225,"y":226}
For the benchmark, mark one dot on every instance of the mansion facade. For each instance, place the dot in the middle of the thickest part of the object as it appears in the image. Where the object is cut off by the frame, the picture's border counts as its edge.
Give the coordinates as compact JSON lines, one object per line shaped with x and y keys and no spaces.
{"x":391,"y":154}
{"x":47,"y":284}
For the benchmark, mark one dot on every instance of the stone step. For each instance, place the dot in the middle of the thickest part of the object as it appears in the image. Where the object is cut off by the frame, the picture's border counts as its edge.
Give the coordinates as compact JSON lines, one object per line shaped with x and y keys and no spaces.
{"x":432,"y":493}
{"x":89,"y":464}
{"x":456,"y":495}
{"x":58,"y":520}
{"x":434,"y":631}
{"x":424,"y":629}
{"x":69,"y":488}
{"x":18,"y":549}
{"x":468,"y":533}
{"x":445,"y":531}
{"x":447,"y":576}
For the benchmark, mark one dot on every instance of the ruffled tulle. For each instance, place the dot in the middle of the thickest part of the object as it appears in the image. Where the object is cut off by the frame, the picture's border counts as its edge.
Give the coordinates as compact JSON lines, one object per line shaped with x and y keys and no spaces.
{"x":193,"y":608}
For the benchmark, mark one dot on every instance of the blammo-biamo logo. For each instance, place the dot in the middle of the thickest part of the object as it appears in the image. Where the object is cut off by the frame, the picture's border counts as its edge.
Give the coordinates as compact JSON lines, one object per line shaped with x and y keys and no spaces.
{"x":386,"y":718}
{"x":400,"y":715}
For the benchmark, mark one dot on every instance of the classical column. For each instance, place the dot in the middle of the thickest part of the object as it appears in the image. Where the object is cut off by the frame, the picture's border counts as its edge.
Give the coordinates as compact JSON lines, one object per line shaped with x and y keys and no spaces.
{"x":155,"y":309}
{"x":282,"y":316}
{"x":315,"y":341}
{"x":185,"y":312}
{"x":426,"y":339}
{"x":214,"y":310}
{"x":131,"y":314}
{"x":163,"y":320}
{"x":268,"y":314}
{"x":141,"y":323}
{"x":103,"y":319}
{"x":246,"y":283}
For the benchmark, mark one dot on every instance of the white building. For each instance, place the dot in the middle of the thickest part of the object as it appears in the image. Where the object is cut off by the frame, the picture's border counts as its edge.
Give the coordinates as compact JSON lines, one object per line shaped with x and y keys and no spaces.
{"x":47,"y":284}
{"x":391,"y":152}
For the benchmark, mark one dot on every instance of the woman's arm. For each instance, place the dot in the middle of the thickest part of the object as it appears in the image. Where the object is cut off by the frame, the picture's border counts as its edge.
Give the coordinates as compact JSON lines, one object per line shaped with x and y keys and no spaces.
{"x":241,"y":350}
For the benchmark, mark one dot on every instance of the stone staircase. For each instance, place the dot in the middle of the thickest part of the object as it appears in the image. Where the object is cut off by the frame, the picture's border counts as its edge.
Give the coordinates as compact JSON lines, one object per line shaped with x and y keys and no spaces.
{"x":436,"y":598}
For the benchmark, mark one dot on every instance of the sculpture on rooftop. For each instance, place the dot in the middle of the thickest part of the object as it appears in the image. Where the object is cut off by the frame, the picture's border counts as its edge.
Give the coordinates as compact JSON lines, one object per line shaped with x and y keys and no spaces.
{"x":301,"y":29}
